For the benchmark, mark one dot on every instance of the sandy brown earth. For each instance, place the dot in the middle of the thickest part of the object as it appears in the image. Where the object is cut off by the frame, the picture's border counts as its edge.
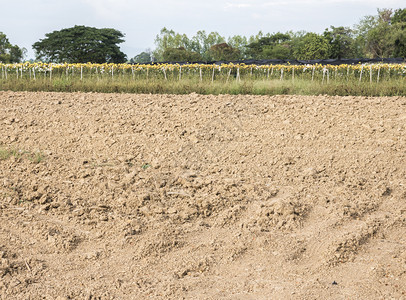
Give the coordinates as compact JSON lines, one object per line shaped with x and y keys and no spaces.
{"x":202,"y":197}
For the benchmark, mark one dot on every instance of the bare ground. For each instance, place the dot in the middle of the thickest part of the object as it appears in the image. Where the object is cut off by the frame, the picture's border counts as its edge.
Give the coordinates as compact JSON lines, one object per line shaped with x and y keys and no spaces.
{"x":118,"y":196}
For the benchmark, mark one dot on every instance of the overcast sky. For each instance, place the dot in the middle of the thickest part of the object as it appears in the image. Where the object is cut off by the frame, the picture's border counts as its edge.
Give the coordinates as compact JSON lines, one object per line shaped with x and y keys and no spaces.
{"x":26,"y":21}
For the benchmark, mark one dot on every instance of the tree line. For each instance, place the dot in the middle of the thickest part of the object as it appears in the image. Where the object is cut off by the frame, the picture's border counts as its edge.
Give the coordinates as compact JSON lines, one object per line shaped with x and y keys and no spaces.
{"x":375,"y":36}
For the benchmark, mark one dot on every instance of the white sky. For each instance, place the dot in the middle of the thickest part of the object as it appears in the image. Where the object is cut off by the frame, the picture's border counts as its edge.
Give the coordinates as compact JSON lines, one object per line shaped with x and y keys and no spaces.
{"x":26,"y":21}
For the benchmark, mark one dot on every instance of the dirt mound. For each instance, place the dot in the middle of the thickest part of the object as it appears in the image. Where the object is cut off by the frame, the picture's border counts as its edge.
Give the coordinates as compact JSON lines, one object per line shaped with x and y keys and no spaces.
{"x":110,"y":196}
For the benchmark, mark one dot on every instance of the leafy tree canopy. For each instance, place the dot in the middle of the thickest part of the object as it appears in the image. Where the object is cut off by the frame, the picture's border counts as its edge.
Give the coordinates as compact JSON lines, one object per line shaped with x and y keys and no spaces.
{"x":399,"y":32}
{"x":10,"y":53}
{"x":271,"y":46}
{"x":399,"y":16}
{"x":142,"y":58}
{"x":239,"y":42}
{"x":202,"y":42}
{"x":167,"y":39}
{"x":312,"y":46}
{"x":383,"y":35}
{"x":180,"y":55}
{"x":199,"y":43}
{"x":341,"y":42}
{"x":224,"y":51}
{"x":81,"y":44}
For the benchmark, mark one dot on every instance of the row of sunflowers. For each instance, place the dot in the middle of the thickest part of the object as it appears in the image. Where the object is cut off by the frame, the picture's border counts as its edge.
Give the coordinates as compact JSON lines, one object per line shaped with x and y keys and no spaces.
{"x":229,"y":71}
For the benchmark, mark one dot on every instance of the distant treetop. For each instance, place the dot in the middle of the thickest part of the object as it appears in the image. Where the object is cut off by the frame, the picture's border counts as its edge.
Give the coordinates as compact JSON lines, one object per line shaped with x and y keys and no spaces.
{"x":10,"y":53}
{"x":81,"y":44}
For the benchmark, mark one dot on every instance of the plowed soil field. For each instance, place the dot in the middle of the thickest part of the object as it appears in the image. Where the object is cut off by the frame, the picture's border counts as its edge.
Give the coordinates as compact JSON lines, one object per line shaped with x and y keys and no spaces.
{"x":120,"y":196}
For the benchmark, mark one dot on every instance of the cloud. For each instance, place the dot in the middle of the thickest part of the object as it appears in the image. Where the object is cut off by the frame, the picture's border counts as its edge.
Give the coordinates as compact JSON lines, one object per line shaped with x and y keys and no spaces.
{"x":109,"y":9}
{"x":237,"y":5}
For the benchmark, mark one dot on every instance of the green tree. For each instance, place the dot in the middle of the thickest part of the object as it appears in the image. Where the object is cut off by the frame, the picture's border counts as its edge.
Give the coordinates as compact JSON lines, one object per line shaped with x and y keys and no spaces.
{"x":399,"y":35}
{"x":382,"y":35}
{"x":224,"y":51}
{"x":361,"y":32}
{"x":341,"y":42}
{"x":272,"y":46}
{"x":257,"y":37}
{"x":379,"y":41}
{"x":239,"y":42}
{"x":282,"y":51}
{"x":254,"y":49}
{"x":202,"y":43}
{"x":169,"y":39}
{"x":180,"y":55}
{"x":10,"y":53}
{"x":142,"y":58}
{"x":399,"y":23}
{"x":399,"y":16}
{"x":311,"y":46}
{"x":81,"y":44}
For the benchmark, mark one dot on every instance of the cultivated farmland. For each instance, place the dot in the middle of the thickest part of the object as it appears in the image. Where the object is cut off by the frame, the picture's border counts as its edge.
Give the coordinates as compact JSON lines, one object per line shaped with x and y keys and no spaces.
{"x":126,"y":196}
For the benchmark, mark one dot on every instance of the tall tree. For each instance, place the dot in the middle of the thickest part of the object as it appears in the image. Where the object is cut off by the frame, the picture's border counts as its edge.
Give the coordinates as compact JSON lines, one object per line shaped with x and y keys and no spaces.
{"x":169,"y":39}
{"x":224,"y":51}
{"x":341,"y":42}
{"x":380,"y":36}
{"x":81,"y":44}
{"x":10,"y":53}
{"x":180,"y":55}
{"x":200,"y":43}
{"x":272,"y":46}
{"x":203,"y":41}
{"x":311,"y":46}
{"x":143,"y":57}
{"x":399,"y":23}
{"x":257,"y":37}
{"x":238,"y":42}
{"x":399,"y":16}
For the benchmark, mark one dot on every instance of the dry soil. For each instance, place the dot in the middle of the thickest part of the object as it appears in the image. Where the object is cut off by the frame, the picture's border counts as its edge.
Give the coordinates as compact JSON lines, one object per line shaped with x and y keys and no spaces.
{"x":120,"y":196}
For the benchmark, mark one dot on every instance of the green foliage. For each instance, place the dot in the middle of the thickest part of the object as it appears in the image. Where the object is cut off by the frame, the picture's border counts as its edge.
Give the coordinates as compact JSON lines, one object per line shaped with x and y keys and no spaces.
{"x":81,"y":44}
{"x":142,"y":58}
{"x":399,"y":16}
{"x":311,"y":46}
{"x":382,"y":35}
{"x":255,"y":49}
{"x":399,"y":34}
{"x":238,"y":42}
{"x":224,"y":52}
{"x":341,"y":42}
{"x":379,"y":40}
{"x":275,"y":46}
{"x":361,"y":35}
{"x":10,"y":53}
{"x":169,"y":39}
{"x":6,"y":153}
{"x":202,"y":43}
{"x":277,"y":52}
{"x":180,"y":55}
{"x":257,"y":37}
{"x":145,"y":166}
